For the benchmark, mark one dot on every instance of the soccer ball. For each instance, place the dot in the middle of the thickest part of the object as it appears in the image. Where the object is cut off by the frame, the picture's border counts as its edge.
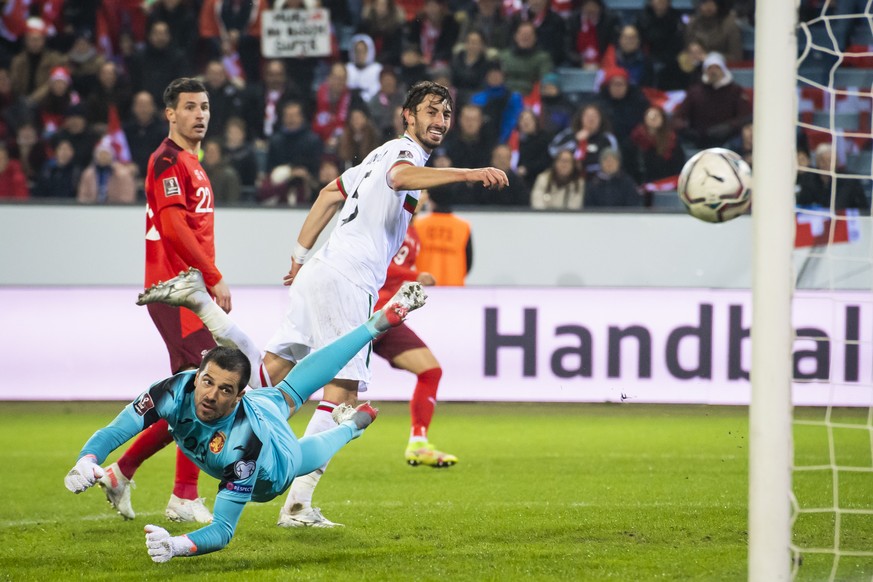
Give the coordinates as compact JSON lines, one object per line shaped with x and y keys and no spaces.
{"x":715,"y":185}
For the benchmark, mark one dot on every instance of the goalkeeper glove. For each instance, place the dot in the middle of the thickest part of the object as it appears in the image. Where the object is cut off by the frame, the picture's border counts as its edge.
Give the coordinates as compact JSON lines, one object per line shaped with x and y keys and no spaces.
{"x":84,"y":474}
{"x":163,"y":547}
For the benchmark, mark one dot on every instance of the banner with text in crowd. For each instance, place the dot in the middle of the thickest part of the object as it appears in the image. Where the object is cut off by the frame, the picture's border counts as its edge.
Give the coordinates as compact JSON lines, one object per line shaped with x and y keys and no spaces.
{"x":295,"y":33}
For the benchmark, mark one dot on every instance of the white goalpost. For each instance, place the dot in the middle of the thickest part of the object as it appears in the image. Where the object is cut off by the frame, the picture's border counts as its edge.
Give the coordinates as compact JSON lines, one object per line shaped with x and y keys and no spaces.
{"x":774,"y":163}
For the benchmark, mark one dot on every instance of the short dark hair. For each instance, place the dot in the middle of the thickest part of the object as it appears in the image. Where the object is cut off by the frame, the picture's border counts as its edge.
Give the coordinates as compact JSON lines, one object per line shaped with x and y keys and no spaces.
{"x":182,"y":85}
{"x":418,"y":92}
{"x":232,"y":360}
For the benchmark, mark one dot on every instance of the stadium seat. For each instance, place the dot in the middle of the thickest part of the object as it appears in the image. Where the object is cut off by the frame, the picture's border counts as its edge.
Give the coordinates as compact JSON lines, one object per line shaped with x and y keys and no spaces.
{"x":744,"y":77}
{"x":575,"y":81}
{"x":846,"y":121}
{"x":858,"y":78}
{"x":860,"y":163}
{"x":668,"y":200}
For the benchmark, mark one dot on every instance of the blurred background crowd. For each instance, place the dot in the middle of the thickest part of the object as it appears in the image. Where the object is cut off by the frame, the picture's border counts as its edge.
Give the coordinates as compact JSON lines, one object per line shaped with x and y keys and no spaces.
{"x":584,"y":103}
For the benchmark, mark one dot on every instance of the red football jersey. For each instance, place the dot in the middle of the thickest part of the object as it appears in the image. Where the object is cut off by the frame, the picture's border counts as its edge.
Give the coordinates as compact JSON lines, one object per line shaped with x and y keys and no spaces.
{"x":401,"y":268}
{"x":176,"y":178}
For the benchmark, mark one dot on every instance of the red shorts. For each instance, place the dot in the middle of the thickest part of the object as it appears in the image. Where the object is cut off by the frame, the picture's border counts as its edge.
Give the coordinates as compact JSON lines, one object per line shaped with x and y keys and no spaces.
{"x":186,"y":343}
{"x":395,"y":341}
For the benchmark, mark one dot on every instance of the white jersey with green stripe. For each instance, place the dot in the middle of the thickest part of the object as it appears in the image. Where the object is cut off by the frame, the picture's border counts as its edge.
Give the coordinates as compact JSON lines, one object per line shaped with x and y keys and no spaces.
{"x":373,"y":220}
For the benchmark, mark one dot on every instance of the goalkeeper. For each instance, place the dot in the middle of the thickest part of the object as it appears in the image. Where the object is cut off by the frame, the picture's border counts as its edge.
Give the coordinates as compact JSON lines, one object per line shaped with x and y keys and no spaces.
{"x":241,"y":439}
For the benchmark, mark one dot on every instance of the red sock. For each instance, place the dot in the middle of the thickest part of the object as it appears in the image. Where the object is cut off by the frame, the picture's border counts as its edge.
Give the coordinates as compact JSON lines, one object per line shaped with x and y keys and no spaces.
{"x":424,"y":400}
{"x":186,"y":477}
{"x":149,"y":442}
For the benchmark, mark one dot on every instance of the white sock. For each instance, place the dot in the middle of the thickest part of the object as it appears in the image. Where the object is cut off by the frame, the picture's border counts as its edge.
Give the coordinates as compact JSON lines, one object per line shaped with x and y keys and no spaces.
{"x":228,"y":334}
{"x":302,"y":488}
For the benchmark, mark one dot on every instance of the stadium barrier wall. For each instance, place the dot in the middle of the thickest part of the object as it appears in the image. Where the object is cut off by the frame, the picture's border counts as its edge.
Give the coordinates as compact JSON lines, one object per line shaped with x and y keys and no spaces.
{"x":513,"y":344}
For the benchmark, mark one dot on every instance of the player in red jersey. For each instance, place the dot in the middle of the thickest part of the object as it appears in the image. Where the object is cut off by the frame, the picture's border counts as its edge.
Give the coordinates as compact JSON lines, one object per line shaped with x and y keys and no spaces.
{"x":179,"y":234}
{"x":405,"y":350}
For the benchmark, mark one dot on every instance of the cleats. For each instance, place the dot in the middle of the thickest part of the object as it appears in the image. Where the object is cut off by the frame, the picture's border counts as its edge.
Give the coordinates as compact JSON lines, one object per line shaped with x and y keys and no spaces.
{"x":362,"y":415}
{"x":419,"y":453}
{"x":187,"y":289}
{"x":117,"y":489}
{"x":304,"y":517}
{"x":408,"y":298}
{"x":193,"y":510}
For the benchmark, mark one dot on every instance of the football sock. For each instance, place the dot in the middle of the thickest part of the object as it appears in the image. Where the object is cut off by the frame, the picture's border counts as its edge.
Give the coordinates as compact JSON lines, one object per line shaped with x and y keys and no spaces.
{"x":187,"y":473}
{"x":149,"y":442}
{"x":423,"y":402}
{"x":303,"y":486}
{"x":228,"y":334}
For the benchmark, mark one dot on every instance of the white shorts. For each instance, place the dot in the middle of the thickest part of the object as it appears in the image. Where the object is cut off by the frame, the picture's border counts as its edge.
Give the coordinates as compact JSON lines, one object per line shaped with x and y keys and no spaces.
{"x":322,"y":306}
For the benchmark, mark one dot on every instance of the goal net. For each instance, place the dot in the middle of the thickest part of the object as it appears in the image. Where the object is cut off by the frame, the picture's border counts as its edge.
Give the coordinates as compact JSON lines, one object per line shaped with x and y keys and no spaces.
{"x":831,"y":536}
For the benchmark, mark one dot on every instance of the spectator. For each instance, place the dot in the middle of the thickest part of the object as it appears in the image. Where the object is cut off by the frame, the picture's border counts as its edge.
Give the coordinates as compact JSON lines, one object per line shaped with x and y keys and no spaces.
{"x":84,"y":62}
{"x":515,"y":193}
{"x":144,"y":131}
{"x":359,"y":138}
{"x":486,"y":16}
{"x":111,"y":90}
{"x":550,"y":28}
{"x":611,"y":187}
{"x":623,"y":104}
{"x":560,"y":187}
{"x":59,"y":177}
{"x":524,"y":64}
{"x":383,"y":21}
{"x":13,"y":183}
{"x":655,"y":150}
{"x":592,"y":29}
{"x":628,"y":54}
{"x":362,"y":70}
{"x":105,"y":180}
{"x":469,"y":66}
{"x":79,"y":133}
{"x":333,"y":102}
{"x":226,"y":186}
{"x":742,"y":144}
{"x":231,"y":30}
{"x":469,"y":145}
{"x":500,"y":105}
{"x":588,"y":135}
{"x":715,"y":110}
{"x":53,"y":106}
{"x":435,"y":31}
{"x":225,"y":98}
{"x":240,"y":154}
{"x":182,"y":20}
{"x":713,"y":25}
{"x":268,"y":97}
{"x":446,"y":250}
{"x":663,"y":37}
{"x":689,"y":69}
{"x":383,"y":105}
{"x":294,"y":143}
{"x":145,"y":75}
{"x":556,"y":111}
{"x":815,"y":189}
{"x":31,"y":68}
{"x":328,"y":170}
{"x":412,"y":66}
{"x":30,"y":151}
{"x":13,"y":109}
{"x":533,"y":148}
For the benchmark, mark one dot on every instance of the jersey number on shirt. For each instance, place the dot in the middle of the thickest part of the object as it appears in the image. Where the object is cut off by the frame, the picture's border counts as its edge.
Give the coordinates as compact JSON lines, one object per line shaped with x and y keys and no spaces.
{"x":354,"y":213}
{"x":204,"y":200}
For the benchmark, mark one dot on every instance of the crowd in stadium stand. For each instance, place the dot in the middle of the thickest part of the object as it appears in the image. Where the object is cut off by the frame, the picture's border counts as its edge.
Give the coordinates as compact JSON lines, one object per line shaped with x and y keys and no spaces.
{"x":81,"y":84}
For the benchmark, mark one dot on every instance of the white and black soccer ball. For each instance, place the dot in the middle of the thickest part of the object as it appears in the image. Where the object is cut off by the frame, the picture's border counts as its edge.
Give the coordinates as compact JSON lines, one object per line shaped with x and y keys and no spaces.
{"x":715,"y":185}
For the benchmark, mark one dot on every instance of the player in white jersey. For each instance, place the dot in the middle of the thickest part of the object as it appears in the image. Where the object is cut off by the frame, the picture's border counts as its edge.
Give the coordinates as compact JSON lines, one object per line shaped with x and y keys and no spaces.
{"x":338,"y":286}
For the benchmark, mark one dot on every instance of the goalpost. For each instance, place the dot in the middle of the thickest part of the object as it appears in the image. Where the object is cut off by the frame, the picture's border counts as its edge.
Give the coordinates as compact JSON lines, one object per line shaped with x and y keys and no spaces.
{"x":774,"y":167}
{"x":811,"y":467}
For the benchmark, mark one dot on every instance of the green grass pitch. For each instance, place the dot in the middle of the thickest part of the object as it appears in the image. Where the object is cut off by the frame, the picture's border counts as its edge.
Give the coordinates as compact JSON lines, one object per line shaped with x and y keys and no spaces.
{"x":542,"y":492}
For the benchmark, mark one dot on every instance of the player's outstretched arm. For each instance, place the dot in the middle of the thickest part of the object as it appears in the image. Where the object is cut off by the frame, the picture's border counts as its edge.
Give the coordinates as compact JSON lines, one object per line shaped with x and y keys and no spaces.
{"x":162,"y":547}
{"x":325,"y":206}
{"x":409,"y":177}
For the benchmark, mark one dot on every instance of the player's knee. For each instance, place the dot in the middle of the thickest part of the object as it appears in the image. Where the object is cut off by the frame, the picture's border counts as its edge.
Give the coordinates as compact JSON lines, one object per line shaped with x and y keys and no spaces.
{"x":431,"y":375}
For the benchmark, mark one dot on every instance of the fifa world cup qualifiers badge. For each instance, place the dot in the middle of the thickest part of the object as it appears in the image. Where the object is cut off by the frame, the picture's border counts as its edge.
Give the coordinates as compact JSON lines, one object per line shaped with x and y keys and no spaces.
{"x":143,"y":404}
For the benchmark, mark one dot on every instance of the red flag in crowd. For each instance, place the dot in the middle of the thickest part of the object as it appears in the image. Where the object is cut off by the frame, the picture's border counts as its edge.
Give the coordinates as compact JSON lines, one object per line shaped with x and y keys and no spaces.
{"x":817,"y":227}
{"x":116,"y":136}
{"x":666,"y":100}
